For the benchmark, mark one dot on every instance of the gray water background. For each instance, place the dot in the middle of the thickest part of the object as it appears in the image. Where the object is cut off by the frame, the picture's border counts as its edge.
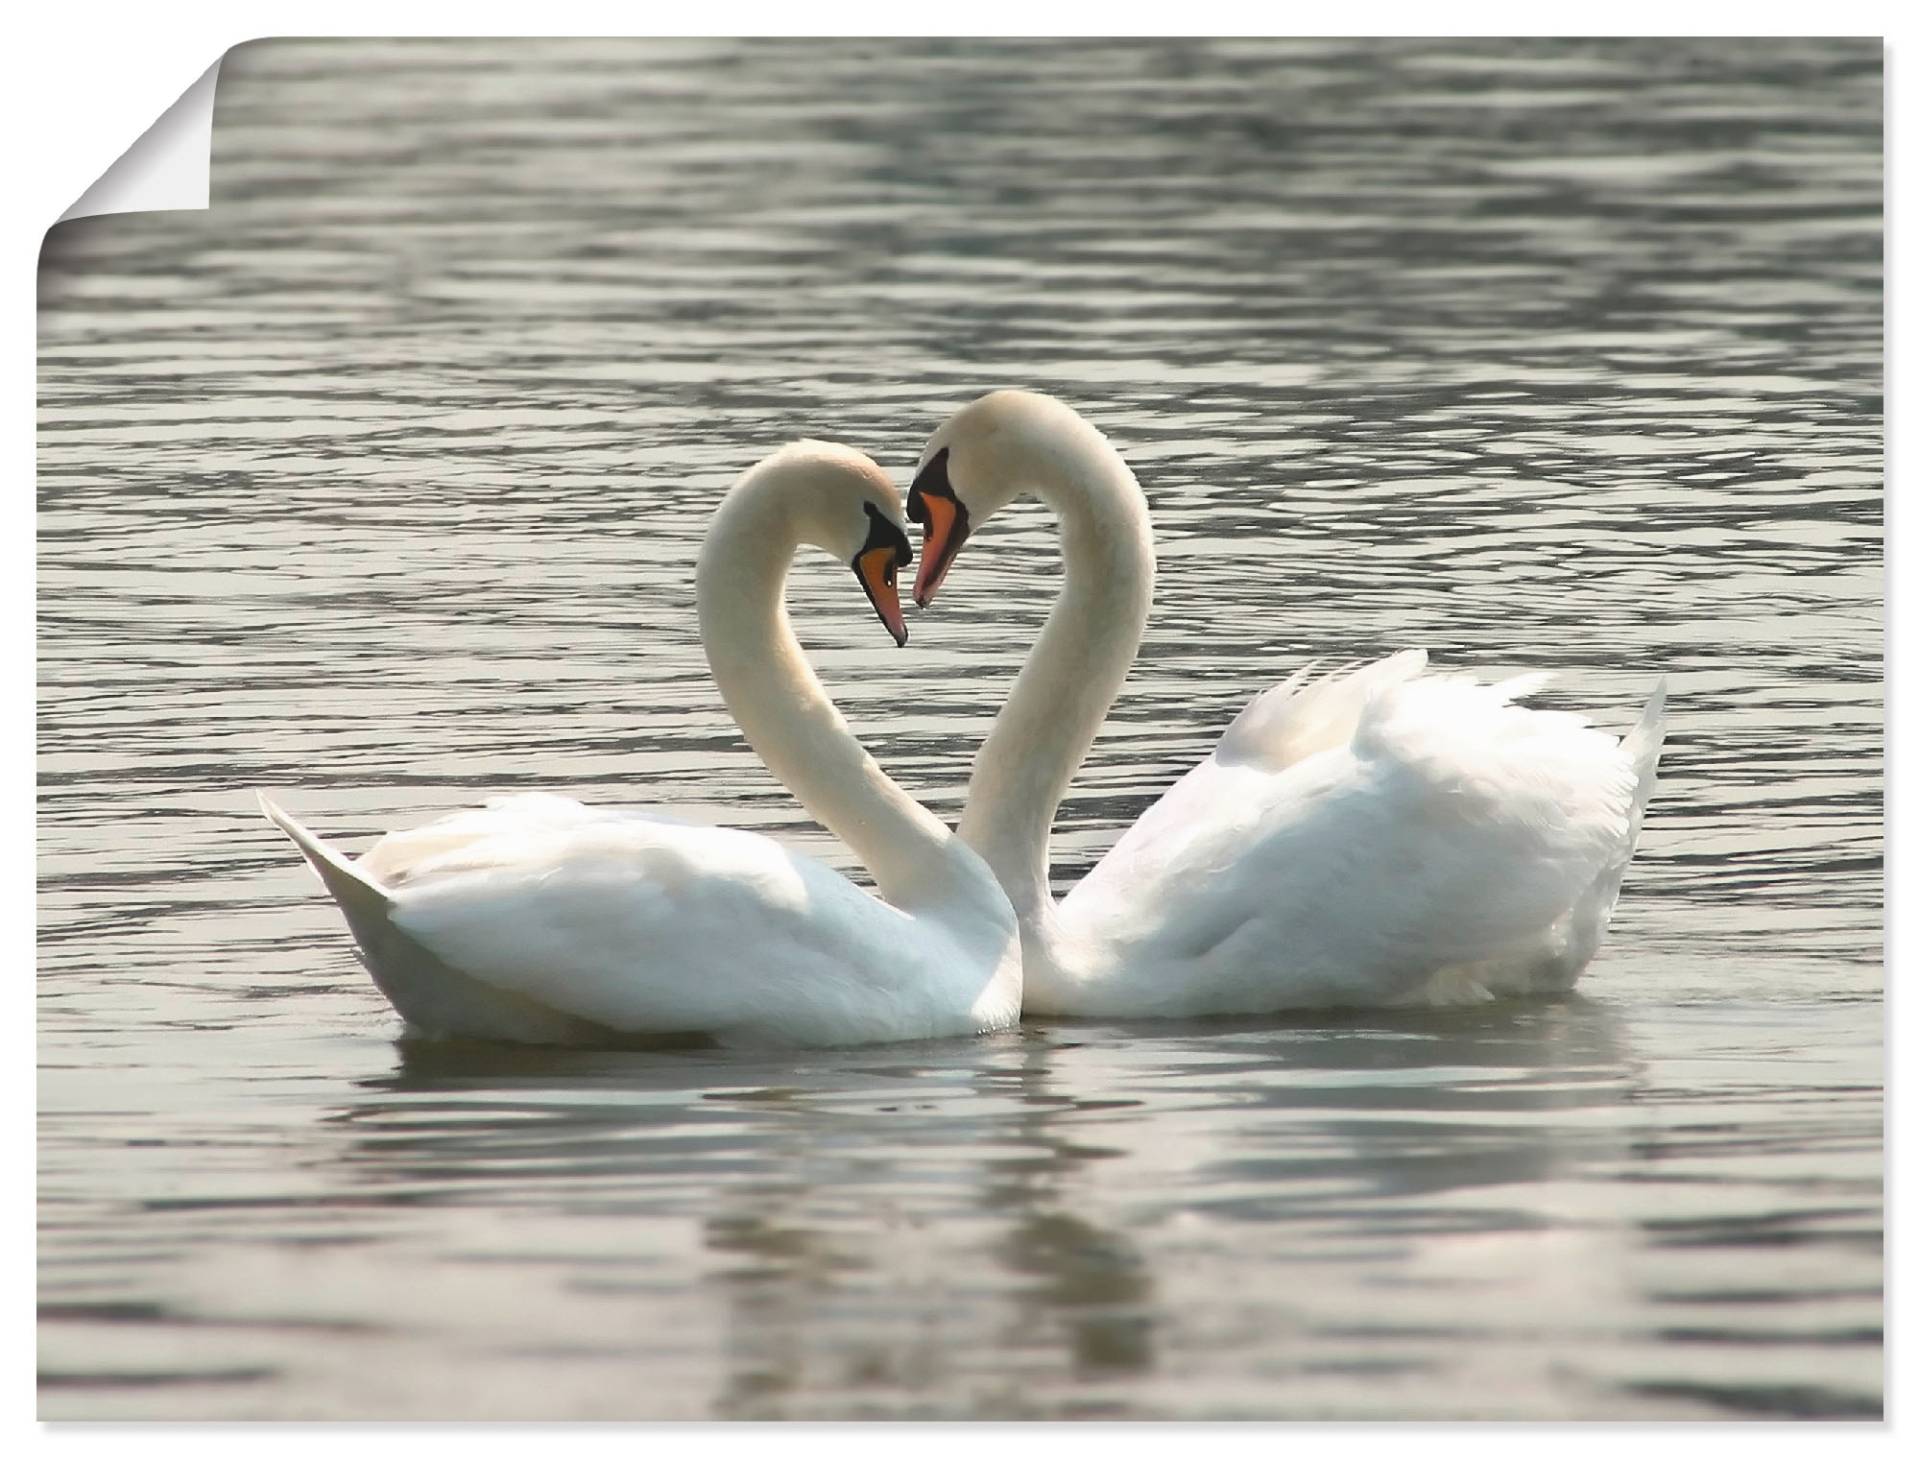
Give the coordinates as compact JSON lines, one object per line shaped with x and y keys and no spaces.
{"x":380,"y":486}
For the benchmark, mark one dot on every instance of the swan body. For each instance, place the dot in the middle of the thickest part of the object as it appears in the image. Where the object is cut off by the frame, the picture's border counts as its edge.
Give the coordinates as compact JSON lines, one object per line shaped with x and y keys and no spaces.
{"x":1376,"y":836}
{"x":540,"y":919}
{"x":1434,"y":843}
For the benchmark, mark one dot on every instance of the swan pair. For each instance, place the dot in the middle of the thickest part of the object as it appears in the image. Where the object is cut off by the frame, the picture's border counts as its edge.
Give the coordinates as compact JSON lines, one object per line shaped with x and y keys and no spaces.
{"x":1378,"y":836}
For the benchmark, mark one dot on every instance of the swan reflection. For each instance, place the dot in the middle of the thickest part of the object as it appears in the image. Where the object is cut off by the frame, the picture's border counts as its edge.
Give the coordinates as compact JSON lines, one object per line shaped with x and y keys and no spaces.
{"x":901,"y":1232}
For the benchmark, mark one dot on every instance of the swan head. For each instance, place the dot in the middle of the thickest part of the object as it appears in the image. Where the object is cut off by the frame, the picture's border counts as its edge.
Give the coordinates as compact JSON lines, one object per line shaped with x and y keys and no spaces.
{"x":839,"y":500}
{"x":1002,"y":445}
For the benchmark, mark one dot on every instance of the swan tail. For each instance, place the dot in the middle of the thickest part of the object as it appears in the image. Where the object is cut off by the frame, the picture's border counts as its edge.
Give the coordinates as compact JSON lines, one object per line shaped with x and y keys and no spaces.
{"x":364,"y":900}
{"x":1642,"y":745}
{"x":432,"y":996}
{"x":1576,"y":937}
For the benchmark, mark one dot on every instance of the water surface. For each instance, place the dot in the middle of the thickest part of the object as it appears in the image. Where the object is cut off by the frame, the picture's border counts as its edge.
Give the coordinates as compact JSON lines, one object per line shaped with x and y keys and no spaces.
{"x":380,"y":486}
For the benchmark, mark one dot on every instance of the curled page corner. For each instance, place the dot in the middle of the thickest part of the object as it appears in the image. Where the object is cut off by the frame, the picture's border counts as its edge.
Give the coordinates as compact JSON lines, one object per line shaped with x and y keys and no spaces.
{"x":168,"y":167}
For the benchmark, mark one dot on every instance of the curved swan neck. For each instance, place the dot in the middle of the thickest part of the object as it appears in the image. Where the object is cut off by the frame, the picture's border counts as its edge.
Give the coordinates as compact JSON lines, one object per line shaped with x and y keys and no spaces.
{"x":786,"y":715}
{"x":1077,"y":666}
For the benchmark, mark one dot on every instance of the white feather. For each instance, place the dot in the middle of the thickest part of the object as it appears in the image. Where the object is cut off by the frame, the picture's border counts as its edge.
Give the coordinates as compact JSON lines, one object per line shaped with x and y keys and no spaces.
{"x":1447,"y":829}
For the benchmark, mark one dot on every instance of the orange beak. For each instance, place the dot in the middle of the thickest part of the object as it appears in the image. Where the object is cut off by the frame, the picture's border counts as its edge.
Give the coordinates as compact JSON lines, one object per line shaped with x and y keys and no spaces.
{"x":877,"y":569}
{"x":943,"y":532}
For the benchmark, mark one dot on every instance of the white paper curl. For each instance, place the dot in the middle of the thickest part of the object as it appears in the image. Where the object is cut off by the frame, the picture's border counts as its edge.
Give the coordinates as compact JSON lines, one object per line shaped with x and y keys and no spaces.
{"x":168,"y":167}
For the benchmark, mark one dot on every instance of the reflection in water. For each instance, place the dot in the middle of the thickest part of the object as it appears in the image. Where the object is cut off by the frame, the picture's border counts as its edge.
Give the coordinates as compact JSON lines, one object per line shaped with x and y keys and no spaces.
{"x":380,"y":483}
{"x":881,"y":1232}
{"x":1085,"y":1288}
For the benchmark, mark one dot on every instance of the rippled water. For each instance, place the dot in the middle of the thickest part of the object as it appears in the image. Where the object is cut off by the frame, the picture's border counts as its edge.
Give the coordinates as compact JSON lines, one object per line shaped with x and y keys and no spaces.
{"x":381,"y":483}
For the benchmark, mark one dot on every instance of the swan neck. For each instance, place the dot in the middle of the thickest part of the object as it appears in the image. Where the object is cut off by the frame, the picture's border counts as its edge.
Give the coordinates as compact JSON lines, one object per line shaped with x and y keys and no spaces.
{"x":1076,"y":668}
{"x":787,"y":718}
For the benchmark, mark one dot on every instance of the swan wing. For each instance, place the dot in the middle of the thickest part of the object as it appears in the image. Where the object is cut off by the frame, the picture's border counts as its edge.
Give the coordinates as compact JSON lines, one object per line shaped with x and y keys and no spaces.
{"x":644,"y":925}
{"x":542,"y":919}
{"x":398,"y":854}
{"x":1303,"y":715}
{"x":1300,"y":716}
{"x":1448,"y":828}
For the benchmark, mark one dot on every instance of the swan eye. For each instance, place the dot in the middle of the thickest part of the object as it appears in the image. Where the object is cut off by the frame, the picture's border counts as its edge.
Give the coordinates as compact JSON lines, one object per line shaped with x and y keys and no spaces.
{"x":881,"y":532}
{"x":932,"y":480}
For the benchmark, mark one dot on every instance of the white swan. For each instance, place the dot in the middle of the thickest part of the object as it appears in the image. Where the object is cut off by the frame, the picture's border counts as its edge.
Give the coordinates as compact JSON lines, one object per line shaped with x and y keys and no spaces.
{"x":538,"y":919}
{"x":1376,"y":836}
